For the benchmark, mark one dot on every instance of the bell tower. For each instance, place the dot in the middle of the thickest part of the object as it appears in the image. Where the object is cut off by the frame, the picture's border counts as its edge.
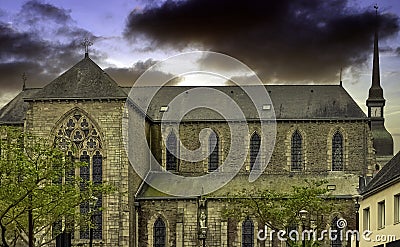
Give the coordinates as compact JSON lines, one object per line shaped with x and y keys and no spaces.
{"x":383,"y":140}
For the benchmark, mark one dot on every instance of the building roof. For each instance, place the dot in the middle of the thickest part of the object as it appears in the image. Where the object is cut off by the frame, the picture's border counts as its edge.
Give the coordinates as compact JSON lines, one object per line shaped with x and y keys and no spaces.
{"x":345,"y":184}
{"x":85,"y":80}
{"x":387,"y":175}
{"x":14,"y":112}
{"x":290,"y":102}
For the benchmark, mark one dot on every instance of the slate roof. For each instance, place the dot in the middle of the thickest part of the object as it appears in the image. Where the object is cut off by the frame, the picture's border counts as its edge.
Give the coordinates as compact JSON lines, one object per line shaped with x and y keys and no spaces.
{"x":14,"y":112}
{"x":290,"y":102}
{"x":346,"y":184}
{"x":388,"y":174}
{"x":85,"y":80}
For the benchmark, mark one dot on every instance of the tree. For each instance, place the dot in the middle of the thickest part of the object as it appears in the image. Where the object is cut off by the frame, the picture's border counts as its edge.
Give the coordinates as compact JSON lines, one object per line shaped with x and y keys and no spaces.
{"x":282,"y":210}
{"x":36,"y":182}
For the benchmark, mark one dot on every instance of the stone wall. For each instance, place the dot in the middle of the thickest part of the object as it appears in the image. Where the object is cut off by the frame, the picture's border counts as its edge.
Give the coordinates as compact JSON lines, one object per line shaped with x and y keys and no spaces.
{"x":317,"y":145}
{"x":42,"y":119}
{"x":180,"y":217}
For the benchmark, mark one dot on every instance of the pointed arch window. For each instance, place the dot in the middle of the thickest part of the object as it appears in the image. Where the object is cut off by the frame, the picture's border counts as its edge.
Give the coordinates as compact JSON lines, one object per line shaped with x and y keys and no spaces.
{"x":78,"y":136}
{"x":172,"y":152}
{"x":335,"y":235}
{"x":248,"y":233}
{"x":213,"y":146}
{"x":337,"y":152}
{"x":159,"y":233}
{"x":297,"y":152}
{"x":255,"y":143}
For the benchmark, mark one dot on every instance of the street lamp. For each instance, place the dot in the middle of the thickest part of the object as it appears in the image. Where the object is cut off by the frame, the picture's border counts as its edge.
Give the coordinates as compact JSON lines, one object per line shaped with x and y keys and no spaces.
{"x":357,"y":208}
{"x":92,"y":204}
{"x":303,"y":216}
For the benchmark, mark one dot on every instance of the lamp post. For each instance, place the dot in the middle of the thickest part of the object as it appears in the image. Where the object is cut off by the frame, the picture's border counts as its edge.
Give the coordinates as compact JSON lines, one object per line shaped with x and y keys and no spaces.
{"x":303,"y":215}
{"x":357,"y":208}
{"x":92,"y":205}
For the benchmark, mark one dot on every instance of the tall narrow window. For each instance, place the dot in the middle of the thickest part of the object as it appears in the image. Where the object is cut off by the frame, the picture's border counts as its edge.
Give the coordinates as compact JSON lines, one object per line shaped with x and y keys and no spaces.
{"x":172,"y":152}
{"x":255,"y":143}
{"x":159,"y":233}
{"x":366,"y":219}
{"x":337,"y":152}
{"x":213,"y":159}
{"x":397,"y":208}
{"x":336,"y":233}
{"x":381,"y":215}
{"x":79,"y":137}
{"x":297,"y":152}
{"x":248,"y":233}
{"x":85,"y":176}
{"x":97,"y":180}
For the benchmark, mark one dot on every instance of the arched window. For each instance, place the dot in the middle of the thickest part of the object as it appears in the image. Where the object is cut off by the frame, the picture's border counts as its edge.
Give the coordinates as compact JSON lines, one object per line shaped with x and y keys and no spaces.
{"x":336,"y":233}
{"x":247,"y":233}
{"x":159,"y":233}
{"x":255,"y":143}
{"x":172,"y":150}
{"x":337,"y":152}
{"x":297,"y":152}
{"x":79,"y":138}
{"x":213,"y":147}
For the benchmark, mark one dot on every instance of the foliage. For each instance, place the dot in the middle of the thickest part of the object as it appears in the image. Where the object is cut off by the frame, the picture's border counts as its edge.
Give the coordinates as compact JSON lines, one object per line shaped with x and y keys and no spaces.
{"x":34,"y":178}
{"x":281,"y":210}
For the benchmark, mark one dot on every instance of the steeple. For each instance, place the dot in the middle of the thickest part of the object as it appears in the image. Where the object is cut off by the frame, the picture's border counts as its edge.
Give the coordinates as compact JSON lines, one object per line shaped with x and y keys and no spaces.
{"x":376,"y":92}
{"x":383,"y":140}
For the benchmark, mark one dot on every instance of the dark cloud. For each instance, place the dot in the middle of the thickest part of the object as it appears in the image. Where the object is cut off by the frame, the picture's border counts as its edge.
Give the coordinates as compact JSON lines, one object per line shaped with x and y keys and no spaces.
{"x":42,"y":42}
{"x":288,"y":40}
{"x":34,"y":10}
{"x":127,"y":76}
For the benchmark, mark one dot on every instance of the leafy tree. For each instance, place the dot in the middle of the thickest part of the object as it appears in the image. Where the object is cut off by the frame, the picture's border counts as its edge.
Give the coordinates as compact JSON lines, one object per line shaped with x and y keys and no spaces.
{"x":282,"y":210}
{"x":36,"y":181}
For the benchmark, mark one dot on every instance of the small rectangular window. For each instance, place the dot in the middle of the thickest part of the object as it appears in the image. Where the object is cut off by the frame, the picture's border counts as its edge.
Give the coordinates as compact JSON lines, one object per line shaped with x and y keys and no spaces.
{"x":381,"y":215}
{"x":397,"y":208}
{"x":267,"y":107}
{"x":366,"y":219}
{"x":163,"y":108}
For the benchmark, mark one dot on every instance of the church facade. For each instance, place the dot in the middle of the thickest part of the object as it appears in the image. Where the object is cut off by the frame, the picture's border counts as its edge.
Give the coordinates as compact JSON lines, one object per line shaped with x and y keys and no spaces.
{"x":321,"y":134}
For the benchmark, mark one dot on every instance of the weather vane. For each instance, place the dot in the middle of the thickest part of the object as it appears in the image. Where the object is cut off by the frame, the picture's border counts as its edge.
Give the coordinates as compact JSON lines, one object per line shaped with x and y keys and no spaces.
{"x":86,"y":43}
{"x":376,"y":8}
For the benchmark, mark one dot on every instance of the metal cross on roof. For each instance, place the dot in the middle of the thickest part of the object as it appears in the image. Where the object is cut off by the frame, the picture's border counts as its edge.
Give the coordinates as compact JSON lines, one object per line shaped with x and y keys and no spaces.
{"x":86,"y":43}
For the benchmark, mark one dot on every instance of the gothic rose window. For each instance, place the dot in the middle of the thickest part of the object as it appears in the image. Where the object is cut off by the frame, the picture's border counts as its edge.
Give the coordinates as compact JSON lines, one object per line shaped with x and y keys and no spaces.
{"x":78,"y":137}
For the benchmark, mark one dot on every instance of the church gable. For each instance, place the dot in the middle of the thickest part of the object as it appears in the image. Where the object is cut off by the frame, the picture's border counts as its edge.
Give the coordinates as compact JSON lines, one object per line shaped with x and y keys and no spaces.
{"x":85,"y":80}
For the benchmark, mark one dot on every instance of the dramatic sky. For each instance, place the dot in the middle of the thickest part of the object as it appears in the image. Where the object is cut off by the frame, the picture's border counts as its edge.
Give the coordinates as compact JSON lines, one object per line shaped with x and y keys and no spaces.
{"x":284,"y":41}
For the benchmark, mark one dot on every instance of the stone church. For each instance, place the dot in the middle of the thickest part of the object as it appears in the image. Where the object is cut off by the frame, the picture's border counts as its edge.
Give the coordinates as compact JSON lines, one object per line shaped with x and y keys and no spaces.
{"x":321,"y":133}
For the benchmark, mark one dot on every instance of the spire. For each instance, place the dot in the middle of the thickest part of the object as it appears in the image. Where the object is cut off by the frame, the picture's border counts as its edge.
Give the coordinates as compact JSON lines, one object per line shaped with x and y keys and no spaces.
{"x":375,"y":70}
{"x":376,"y":92}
